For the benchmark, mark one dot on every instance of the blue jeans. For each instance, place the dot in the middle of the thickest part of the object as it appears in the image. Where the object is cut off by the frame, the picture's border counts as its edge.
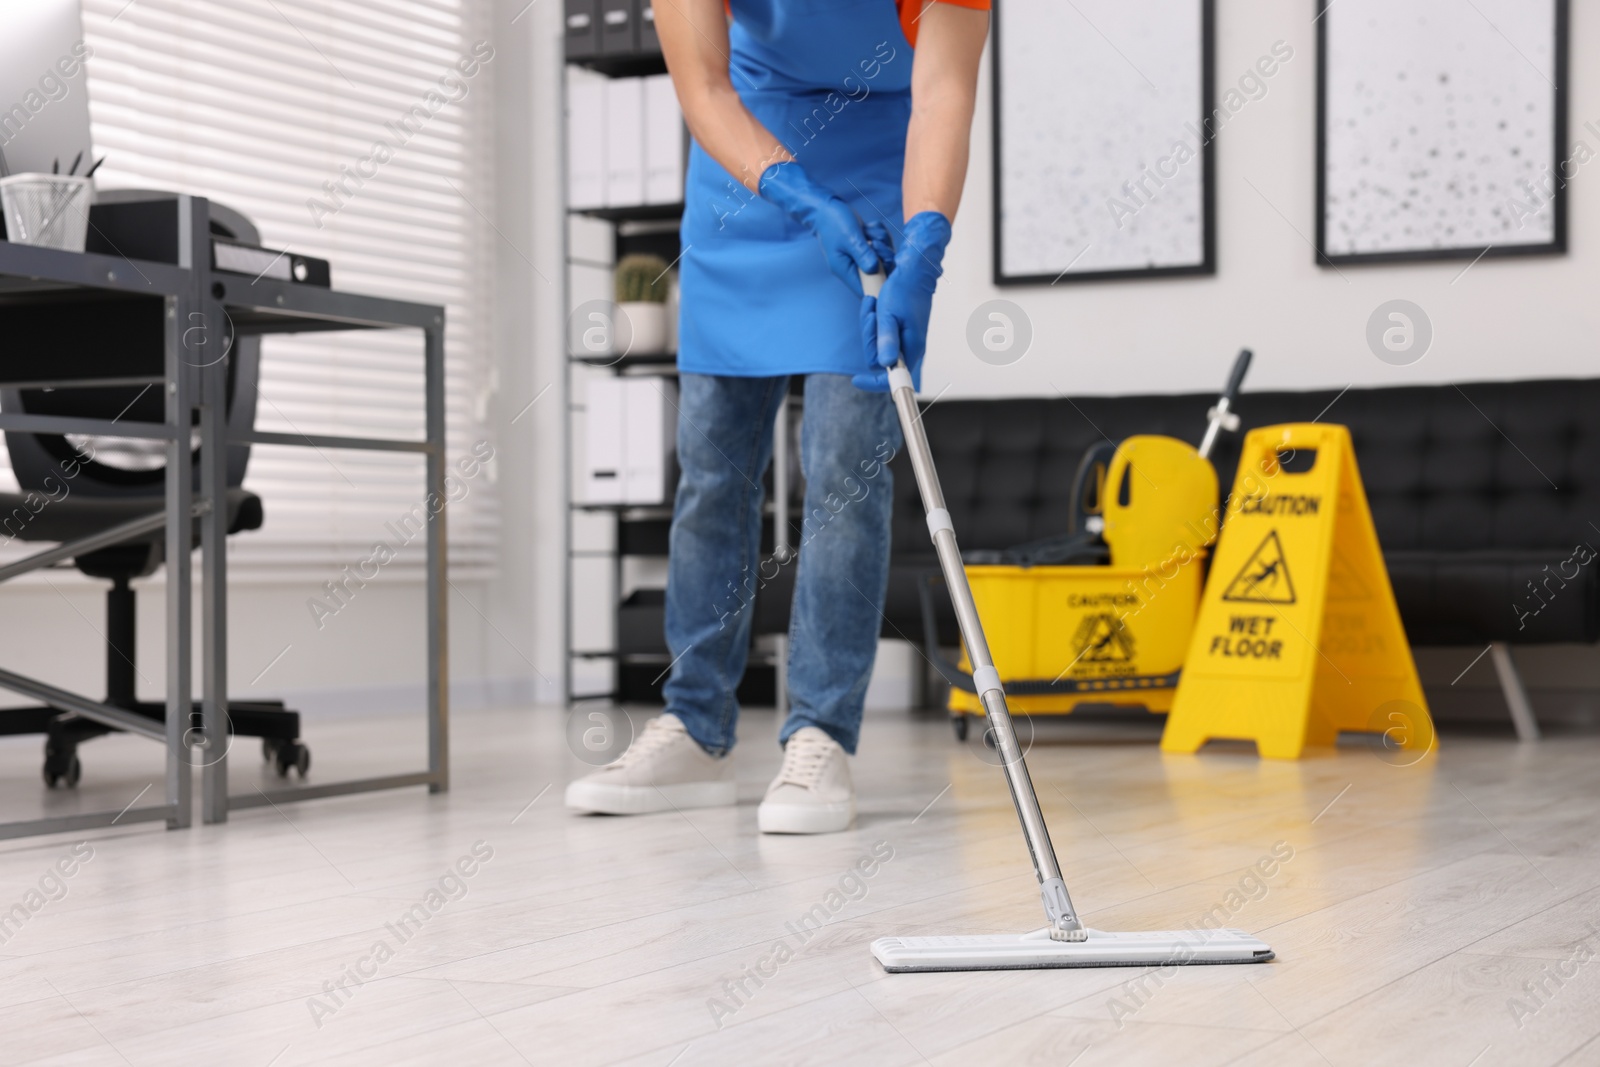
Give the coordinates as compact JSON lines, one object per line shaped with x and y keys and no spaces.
{"x":716,"y":568}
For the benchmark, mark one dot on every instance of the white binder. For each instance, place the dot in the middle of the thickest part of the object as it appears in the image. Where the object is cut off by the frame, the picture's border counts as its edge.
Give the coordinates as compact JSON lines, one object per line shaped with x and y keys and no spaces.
{"x":586,"y":145}
{"x":605,"y":415}
{"x":649,"y":439}
{"x":624,"y":140}
{"x":631,"y":430}
{"x":663,"y":142}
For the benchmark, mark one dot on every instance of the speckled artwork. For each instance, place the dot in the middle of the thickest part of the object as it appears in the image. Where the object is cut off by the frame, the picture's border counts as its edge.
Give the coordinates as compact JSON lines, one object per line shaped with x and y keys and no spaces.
{"x":1098,"y":166}
{"x":1440,"y":125}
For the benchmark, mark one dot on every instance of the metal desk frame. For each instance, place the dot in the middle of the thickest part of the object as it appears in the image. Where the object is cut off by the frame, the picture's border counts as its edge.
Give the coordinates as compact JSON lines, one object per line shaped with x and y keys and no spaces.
{"x":265,"y":306}
{"x":27,"y":269}
{"x":220,"y":301}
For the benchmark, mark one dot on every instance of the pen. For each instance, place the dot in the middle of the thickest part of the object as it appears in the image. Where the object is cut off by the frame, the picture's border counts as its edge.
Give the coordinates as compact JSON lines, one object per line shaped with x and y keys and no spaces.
{"x":96,"y":166}
{"x":75,"y":161}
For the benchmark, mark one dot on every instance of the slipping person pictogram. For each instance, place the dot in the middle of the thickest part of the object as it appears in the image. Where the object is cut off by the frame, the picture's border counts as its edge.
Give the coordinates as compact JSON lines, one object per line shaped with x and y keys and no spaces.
{"x":1103,"y":638}
{"x":1264,"y":578}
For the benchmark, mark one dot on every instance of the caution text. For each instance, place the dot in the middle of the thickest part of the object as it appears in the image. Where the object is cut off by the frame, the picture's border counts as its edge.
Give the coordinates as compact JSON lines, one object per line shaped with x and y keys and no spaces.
{"x":1281,"y":504}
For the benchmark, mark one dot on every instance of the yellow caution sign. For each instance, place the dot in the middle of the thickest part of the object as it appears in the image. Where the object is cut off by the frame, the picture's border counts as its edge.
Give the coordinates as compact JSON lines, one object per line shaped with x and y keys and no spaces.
{"x":1298,"y":636}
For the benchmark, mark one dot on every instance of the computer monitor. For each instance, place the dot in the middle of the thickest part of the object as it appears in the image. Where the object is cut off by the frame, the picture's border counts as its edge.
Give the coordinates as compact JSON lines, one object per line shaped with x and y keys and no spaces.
{"x":44,"y":95}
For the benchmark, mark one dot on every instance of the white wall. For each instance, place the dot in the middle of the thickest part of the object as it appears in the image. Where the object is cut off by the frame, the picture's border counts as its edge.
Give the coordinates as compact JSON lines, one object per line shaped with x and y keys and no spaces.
{"x":543,"y":349}
{"x":525,"y":601}
{"x":369,"y":657}
{"x":1504,"y":319}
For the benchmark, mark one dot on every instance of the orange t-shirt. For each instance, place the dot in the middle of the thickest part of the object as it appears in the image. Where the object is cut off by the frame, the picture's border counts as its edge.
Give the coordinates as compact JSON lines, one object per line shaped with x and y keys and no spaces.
{"x":910,"y":14}
{"x":911,"y":11}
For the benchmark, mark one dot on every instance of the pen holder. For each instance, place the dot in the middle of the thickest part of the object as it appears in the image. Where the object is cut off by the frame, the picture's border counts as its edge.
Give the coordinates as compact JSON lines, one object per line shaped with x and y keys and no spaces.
{"x":48,"y":210}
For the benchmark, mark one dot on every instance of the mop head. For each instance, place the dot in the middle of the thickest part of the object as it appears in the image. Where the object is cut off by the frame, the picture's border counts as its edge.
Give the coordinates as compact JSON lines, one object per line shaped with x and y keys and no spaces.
{"x":1016,"y":952}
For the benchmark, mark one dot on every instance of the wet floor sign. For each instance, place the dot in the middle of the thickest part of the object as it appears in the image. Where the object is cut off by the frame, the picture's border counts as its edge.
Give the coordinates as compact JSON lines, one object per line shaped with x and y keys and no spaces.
{"x":1298,"y":636}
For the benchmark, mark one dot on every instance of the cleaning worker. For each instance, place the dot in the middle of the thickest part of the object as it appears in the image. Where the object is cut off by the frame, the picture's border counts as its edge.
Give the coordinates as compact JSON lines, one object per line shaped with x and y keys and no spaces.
{"x":830,"y":139}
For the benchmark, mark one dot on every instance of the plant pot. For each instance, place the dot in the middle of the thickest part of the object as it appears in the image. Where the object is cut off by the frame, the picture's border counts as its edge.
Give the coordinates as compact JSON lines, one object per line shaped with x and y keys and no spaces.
{"x":640,"y":329}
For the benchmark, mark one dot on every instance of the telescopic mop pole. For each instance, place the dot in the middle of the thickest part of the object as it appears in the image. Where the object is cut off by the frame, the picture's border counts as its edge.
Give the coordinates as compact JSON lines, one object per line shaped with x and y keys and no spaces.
{"x":1063,"y":924}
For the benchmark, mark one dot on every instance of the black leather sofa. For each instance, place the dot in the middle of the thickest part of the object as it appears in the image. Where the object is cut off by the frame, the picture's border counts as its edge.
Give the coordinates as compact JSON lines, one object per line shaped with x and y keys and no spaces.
{"x":1486,"y":495}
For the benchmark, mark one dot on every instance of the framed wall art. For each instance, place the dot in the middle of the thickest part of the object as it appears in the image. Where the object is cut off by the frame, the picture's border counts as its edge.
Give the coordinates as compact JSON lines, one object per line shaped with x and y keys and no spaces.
{"x":1103,"y":122}
{"x":1442,"y":129}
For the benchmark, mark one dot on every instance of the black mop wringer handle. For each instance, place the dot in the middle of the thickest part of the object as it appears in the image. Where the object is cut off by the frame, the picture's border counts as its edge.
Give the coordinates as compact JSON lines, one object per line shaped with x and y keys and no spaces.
{"x":1063,"y":920}
{"x":1221,"y":417}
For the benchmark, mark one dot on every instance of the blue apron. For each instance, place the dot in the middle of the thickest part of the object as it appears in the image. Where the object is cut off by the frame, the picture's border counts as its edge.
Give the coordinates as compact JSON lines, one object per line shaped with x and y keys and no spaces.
{"x":832,"y":80}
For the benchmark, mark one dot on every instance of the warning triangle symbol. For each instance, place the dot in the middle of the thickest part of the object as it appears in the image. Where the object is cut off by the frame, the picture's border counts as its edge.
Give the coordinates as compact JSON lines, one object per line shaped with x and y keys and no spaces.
{"x":1104,"y":639}
{"x":1264,"y":578}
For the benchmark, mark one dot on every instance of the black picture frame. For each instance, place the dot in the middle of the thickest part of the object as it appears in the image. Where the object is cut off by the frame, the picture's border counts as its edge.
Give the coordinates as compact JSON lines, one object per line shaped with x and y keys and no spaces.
{"x":1207,"y":265}
{"x":1557,"y":245}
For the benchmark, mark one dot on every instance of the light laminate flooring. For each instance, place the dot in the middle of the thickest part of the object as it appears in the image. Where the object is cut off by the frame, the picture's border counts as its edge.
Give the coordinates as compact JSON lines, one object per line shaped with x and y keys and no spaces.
{"x":1442,"y":913}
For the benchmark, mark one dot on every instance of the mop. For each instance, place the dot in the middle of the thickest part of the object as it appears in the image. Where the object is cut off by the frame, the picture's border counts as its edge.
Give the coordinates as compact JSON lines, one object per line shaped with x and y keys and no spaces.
{"x":1064,"y":941}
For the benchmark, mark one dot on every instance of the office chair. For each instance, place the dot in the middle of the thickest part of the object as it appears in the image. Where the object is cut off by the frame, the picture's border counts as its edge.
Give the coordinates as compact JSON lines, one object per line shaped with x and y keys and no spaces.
{"x":118,"y":479}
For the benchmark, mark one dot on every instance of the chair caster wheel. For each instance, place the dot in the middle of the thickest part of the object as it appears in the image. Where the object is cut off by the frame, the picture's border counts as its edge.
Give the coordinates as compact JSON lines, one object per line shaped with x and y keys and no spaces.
{"x":61,"y":770}
{"x":291,"y":755}
{"x":958,"y":723}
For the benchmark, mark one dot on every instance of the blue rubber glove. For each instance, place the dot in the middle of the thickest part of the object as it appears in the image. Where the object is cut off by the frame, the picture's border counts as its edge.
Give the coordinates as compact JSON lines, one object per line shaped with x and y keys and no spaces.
{"x":882,"y":243}
{"x":844,"y":240}
{"x":897,"y":327}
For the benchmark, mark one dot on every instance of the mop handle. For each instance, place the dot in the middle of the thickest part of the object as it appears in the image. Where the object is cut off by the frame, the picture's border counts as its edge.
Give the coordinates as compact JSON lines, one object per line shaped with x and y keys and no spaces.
{"x":1063,"y":921}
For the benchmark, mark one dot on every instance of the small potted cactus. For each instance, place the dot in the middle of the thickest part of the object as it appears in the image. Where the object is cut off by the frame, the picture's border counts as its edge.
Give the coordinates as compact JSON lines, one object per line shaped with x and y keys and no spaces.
{"x":641,"y":288}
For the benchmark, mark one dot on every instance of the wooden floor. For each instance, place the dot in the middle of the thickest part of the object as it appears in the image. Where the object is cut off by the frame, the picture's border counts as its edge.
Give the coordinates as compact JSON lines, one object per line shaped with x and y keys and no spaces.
{"x":1443,"y":913}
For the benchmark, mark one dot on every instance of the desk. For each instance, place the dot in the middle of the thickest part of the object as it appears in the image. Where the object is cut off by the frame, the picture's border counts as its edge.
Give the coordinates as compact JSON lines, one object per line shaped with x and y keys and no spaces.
{"x":264,"y":306}
{"x":189,"y":292}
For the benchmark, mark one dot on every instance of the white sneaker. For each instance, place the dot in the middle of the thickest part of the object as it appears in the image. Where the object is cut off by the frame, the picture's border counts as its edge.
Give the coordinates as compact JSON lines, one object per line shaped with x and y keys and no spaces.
{"x":663,"y":770}
{"x":812,"y":793}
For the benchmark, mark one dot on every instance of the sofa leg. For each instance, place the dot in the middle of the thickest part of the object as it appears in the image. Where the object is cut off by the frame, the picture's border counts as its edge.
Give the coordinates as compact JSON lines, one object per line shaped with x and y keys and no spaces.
{"x":1516,"y":696}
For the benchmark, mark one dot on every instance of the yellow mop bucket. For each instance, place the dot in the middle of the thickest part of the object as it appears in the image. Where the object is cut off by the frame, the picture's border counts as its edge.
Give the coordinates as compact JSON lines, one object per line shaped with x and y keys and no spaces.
{"x":1066,"y":636}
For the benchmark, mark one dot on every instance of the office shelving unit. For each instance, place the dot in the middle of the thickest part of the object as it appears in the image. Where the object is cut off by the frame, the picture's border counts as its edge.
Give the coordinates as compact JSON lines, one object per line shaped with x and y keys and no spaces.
{"x":636,"y":654}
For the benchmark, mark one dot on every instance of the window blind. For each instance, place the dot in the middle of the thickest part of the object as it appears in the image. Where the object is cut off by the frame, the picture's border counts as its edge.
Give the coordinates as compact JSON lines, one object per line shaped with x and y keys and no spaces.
{"x":360,"y":132}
